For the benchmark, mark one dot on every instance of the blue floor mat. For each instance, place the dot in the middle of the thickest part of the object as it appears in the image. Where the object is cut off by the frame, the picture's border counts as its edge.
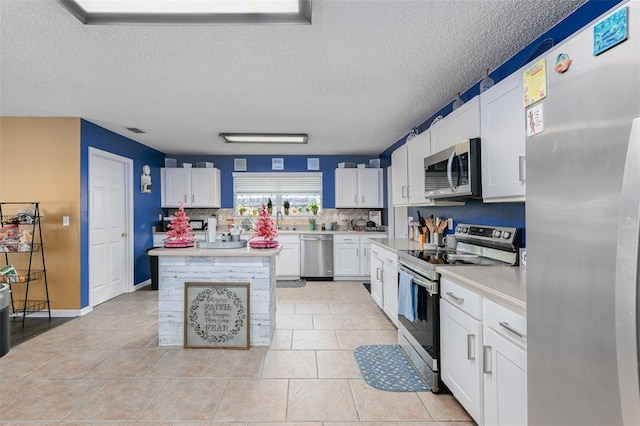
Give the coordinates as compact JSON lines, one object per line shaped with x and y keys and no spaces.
{"x":385,"y":367}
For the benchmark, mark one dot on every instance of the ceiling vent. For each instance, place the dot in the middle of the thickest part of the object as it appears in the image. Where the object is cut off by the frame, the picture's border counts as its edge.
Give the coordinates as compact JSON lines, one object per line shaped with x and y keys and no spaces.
{"x":135,"y":130}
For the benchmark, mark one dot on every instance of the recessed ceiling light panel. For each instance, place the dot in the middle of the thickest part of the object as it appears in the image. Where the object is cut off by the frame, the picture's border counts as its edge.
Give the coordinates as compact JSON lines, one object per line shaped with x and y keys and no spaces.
{"x":190,"y":12}
{"x":264,"y":138}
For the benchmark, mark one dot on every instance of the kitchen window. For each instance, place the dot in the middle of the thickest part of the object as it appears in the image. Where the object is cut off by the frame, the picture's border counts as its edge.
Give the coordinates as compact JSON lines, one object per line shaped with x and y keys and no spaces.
{"x":251,"y":190}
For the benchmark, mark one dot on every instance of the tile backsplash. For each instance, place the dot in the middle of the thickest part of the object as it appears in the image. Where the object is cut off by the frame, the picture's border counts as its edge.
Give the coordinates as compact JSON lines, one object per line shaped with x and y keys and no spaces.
{"x":341,"y":218}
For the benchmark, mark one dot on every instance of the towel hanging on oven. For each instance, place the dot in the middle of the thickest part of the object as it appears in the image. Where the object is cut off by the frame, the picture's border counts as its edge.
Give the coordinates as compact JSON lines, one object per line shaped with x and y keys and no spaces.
{"x":407,"y":297}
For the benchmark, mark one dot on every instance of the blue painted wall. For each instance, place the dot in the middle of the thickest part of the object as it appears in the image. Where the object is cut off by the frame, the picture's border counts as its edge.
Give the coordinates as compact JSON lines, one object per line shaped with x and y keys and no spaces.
{"x":262,"y":163}
{"x":146,"y":207}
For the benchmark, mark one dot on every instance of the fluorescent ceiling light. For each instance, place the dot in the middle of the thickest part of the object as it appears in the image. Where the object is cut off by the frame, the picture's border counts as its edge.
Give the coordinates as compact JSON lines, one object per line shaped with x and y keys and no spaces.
{"x":263,"y":137}
{"x":194,"y":12}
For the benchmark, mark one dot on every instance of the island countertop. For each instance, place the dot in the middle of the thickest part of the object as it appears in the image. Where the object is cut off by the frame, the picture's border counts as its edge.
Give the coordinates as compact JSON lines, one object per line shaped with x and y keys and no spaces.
{"x":204,"y":252}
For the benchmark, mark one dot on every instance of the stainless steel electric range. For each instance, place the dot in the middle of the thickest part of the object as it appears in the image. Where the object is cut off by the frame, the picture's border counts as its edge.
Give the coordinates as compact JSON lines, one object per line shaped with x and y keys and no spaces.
{"x":476,"y":245}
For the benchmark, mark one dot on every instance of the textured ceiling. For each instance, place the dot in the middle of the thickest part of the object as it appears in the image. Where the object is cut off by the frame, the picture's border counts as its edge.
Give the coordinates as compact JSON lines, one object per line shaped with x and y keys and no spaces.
{"x":356,"y":80}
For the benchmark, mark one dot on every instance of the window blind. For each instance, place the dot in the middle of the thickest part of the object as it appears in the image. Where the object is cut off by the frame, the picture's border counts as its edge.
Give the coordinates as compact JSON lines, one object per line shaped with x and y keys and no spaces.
{"x":277,"y":183}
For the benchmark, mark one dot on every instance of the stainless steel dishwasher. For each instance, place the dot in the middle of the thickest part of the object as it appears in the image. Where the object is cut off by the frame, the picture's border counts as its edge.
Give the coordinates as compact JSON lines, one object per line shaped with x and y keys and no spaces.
{"x":316,"y":256}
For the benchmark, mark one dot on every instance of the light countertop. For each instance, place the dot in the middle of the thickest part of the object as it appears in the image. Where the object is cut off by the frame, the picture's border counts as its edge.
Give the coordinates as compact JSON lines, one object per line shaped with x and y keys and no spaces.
{"x":304,"y":230}
{"x":396,"y":244}
{"x":200,"y":252}
{"x":503,"y":284}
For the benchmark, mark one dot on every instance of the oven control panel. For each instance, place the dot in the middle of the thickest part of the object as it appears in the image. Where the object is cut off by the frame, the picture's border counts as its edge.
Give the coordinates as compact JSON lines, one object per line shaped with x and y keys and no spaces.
{"x":491,"y":235}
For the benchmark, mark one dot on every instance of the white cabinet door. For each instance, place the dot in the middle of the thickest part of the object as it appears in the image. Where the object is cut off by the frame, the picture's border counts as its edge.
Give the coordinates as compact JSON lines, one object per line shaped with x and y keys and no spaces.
{"x":176,"y":187}
{"x":370,"y":188}
{"x":390,"y":285}
{"x":461,"y":358}
{"x":399,"y":176}
{"x":346,"y":187}
{"x":365,"y":254}
{"x":461,"y":124}
{"x":441,"y":134}
{"x":205,"y":187}
{"x":194,"y":187}
{"x":503,"y":141}
{"x":466,"y":121}
{"x":376,"y":281}
{"x":505,"y":381}
{"x":359,"y":188}
{"x":417,"y":149}
{"x":288,"y":260}
{"x":346,"y":257}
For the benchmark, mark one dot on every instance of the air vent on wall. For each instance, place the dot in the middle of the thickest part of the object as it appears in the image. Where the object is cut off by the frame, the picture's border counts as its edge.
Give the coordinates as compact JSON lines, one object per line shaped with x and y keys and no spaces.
{"x":135,"y":130}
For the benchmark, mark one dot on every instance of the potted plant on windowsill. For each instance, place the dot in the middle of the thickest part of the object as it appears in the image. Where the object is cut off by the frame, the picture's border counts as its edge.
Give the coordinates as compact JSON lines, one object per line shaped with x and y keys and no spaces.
{"x":286,"y":206}
{"x":241,"y":209}
{"x":313,"y":207}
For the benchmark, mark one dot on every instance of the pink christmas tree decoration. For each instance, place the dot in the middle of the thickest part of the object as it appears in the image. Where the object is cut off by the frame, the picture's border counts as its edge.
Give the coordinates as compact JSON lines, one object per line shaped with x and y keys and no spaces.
{"x":264,"y":228}
{"x":179,"y":233}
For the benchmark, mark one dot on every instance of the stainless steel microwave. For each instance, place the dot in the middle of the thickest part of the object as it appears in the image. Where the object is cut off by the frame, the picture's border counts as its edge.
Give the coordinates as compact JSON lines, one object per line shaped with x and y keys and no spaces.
{"x":454,"y":173}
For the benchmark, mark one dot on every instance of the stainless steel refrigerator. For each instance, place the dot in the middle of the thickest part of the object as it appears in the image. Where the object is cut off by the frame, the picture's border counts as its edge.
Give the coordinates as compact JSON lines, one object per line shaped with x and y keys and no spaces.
{"x":582,"y":223}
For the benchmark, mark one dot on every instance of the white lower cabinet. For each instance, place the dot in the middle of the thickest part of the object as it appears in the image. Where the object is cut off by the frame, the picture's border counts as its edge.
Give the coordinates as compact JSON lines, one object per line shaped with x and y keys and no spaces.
{"x":460,"y":347}
{"x":483,"y":356}
{"x":504,"y":366}
{"x":352,"y":255}
{"x":288,"y":260}
{"x":384,"y":281}
{"x":377,"y":267}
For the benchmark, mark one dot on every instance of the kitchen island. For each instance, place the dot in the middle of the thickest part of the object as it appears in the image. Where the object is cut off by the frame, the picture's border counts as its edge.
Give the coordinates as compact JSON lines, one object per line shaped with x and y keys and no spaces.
{"x":179,"y":265}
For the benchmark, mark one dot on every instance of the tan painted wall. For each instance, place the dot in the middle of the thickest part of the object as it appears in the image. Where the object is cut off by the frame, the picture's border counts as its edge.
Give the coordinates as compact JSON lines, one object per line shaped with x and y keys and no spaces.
{"x":40,"y":161}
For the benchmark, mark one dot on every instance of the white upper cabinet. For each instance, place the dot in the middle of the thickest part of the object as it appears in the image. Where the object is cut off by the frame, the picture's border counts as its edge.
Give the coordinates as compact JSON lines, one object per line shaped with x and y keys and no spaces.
{"x":400,"y":176}
{"x":460,"y":125}
{"x":503,"y":141}
{"x":417,"y":148}
{"x":407,"y":173}
{"x":359,"y":188}
{"x":195,"y":187}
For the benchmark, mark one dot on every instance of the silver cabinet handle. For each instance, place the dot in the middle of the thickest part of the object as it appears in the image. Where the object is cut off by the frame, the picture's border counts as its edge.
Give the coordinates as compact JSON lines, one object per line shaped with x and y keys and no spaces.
{"x":408,"y":190}
{"x":193,"y":198}
{"x":522,"y":168}
{"x":355,"y":199}
{"x":377,"y":273}
{"x":454,"y":297}
{"x":485,"y":359}
{"x":185,"y":198}
{"x":471,"y":338}
{"x":516,"y":332}
{"x":357,"y":252}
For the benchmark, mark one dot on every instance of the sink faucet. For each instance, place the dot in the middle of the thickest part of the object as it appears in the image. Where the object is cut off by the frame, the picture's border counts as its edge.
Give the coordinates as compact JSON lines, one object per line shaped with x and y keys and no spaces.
{"x":278,"y":219}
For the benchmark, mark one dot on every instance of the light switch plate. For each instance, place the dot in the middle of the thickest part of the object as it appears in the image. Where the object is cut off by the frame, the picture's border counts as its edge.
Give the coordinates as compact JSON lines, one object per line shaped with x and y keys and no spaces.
{"x":523,"y":257}
{"x":450,"y":224}
{"x":65,"y":220}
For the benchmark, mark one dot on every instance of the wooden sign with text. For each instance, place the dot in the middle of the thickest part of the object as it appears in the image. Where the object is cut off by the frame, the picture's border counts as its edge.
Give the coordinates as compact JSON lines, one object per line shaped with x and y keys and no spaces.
{"x":216,"y":315}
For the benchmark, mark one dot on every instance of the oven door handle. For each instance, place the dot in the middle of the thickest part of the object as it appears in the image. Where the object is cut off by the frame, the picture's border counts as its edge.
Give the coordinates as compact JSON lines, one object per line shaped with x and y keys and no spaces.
{"x":432,"y":287}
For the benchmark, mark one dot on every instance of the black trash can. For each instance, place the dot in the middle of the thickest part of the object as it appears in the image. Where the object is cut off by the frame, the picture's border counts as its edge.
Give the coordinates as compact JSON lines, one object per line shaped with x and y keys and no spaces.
{"x":5,"y":330}
{"x":153,"y":265}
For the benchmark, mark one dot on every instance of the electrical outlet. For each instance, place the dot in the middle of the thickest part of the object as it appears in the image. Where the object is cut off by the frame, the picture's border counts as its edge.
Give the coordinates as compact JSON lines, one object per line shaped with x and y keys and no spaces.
{"x":335,"y":216}
{"x":450,"y":224}
{"x":65,"y":220}
{"x":159,"y":216}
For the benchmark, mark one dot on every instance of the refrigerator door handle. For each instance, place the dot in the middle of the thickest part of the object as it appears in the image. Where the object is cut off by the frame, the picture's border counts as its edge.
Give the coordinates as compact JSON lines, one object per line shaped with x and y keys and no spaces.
{"x":626,"y":284}
{"x":522,"y":167}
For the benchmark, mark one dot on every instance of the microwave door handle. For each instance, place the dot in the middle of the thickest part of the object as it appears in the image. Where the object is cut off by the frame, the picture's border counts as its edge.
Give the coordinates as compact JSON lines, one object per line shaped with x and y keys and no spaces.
{"x":449,"y":170}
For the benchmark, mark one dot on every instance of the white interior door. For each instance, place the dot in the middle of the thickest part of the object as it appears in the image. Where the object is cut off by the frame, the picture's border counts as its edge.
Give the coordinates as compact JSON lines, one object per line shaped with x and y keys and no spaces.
{"x":110,"y":222}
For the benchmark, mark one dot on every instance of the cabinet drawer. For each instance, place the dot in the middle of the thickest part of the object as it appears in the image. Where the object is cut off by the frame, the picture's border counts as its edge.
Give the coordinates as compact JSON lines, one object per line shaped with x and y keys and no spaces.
{"x":506,"y":322}
{"x":346,"y":239}
{"x":461,"y":297}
